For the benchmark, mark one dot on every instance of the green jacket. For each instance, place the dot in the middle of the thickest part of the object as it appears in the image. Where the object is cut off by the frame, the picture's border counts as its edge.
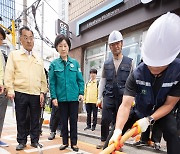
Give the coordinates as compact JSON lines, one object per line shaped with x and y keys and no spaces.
{"x":65,"y":79}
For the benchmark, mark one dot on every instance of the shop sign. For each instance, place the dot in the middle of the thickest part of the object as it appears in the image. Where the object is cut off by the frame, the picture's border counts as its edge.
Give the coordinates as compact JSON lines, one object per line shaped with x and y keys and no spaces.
{"x":100,"y":19}
{"x":61,"y":28}
{"x":88,"y":19}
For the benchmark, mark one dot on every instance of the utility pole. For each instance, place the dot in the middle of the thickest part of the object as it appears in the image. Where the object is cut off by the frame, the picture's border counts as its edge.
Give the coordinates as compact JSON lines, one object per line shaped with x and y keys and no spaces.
{"x":42,"y":30}
{"x":25,"y":12}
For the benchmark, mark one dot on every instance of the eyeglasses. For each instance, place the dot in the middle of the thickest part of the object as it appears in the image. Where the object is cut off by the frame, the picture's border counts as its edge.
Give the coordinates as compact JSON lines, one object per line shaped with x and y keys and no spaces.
{"x":31,"y":38}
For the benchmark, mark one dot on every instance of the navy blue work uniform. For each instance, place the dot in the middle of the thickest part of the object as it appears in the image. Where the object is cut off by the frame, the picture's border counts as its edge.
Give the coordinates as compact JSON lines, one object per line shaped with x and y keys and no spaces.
{"x":150,"y":93}
{"x":113,"y":92}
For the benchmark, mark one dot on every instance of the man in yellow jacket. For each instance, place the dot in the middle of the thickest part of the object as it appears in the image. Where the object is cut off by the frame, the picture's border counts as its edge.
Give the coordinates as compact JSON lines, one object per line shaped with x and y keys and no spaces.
{"x":3,"y":99}
{"x":26,"y":83}
{"x":90,"y":99}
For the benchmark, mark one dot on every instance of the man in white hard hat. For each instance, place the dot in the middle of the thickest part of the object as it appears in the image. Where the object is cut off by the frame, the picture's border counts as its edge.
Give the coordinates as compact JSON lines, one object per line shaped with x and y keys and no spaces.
{"x":154,"y":85}
{"x":111,"y":88}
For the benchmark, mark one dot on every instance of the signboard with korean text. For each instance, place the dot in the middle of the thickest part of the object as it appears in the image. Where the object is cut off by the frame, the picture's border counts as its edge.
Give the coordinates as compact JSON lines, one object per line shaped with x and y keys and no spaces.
{"x":62,"y":28}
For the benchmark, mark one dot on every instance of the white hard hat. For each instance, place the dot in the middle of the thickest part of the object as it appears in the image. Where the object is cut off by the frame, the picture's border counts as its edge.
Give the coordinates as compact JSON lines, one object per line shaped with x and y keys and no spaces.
{"x":115,"y":36}
{"x":145,"y":1}
{"x":162,"y":43}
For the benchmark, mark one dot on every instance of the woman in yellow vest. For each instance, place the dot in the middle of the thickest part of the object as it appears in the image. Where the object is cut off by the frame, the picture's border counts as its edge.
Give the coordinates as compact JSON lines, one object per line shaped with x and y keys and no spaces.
{"x":90,"y":99}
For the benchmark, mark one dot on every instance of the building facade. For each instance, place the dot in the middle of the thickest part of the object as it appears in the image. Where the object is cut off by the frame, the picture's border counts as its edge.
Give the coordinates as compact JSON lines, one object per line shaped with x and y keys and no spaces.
{"x":91,"y":25}
{"x":80,"y":7}
{"x":7,"y":12}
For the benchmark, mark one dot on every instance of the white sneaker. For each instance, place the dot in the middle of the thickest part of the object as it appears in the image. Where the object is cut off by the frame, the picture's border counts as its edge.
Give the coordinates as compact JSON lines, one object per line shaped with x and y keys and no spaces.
{"x":100,"y":145}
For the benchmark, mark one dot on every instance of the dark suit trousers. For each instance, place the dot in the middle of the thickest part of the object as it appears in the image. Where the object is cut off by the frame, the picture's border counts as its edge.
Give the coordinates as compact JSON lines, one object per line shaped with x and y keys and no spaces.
{"x":109,"y":112}
{"x":22,"y":103}
{"x":69,"y":111}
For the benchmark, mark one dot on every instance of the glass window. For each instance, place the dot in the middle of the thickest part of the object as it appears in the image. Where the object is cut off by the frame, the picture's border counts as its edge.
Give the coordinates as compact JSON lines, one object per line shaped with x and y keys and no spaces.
{"x":133,"y":51}
{"x":98,"y":49}
{"x":94,"y":58}
{"x":96,"y":63}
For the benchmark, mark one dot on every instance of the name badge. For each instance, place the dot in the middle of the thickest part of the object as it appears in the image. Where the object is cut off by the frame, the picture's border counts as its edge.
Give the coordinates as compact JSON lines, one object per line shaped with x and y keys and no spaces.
{"x":72,"y":65}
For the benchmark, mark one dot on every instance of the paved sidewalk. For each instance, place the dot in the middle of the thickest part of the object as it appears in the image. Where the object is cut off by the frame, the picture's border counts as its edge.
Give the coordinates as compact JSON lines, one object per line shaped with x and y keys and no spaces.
{"x":96,"y":134}
{"x":81,"y":125}
{"x":9,"y":135}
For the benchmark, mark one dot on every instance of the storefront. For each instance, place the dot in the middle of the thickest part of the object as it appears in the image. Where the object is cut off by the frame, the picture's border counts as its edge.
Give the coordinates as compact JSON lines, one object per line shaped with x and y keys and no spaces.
{"x":131,"y":17}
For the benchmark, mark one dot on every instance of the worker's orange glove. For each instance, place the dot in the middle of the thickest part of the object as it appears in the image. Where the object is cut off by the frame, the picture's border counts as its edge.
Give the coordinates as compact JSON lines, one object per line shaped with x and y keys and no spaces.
{"x":141,"y":126}
{"x":116,"y":139}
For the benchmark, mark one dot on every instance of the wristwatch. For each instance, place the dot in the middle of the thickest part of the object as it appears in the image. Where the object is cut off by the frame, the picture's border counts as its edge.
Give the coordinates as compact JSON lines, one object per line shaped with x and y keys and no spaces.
{"x":151,"y":120}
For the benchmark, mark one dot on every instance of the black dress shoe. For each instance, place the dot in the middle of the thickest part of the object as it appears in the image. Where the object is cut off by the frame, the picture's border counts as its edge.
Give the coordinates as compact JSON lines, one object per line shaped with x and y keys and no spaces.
{"x":60,"y":134}
{"x":20,"y":146}
{"x":87,"y":128}
{"x":75,"y":148}
{"x":63,"y":147}
{"x":93,"y":128}
{"x":35,"y":145}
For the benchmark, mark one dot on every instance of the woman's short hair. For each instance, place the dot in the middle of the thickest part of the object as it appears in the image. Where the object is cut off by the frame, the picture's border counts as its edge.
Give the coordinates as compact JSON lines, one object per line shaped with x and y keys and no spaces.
{"x":2,"y":32}
{"x":93,"y":70}
{"x":60,"y":38}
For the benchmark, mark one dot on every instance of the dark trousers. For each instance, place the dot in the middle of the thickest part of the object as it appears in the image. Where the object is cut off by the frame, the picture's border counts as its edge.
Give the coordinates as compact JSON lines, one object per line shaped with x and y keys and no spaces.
{"x":41,"y":119}
{"x":109,"y":112}
{"x":91,"y":108}
{"x":28,"y":122}
{"x":55,"y":119}
{"x":69,"y":111}
{"x":3,"y":106}
{"x":168,"y":127}
{"x":178,"y":117}
{"x":156,"y":134}
{"x":22,"y":103}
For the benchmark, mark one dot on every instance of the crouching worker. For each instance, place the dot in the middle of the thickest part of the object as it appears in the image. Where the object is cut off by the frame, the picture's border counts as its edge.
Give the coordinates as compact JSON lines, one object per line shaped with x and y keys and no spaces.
{"x":154,"y":85}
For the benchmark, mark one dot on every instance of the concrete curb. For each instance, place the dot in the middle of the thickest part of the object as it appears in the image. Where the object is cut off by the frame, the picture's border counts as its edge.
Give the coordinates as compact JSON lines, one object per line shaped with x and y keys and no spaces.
{"x":89,"y":135}
{"x":79,"y":133}
{"x":126,"y":143}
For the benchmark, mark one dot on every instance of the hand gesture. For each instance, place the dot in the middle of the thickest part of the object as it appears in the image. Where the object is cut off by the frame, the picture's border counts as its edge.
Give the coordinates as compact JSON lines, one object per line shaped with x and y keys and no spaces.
{"x":81,"y":98}
{"x":11,"y":96}
{"x":55,"y":102}
{"x":41,"y":99}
